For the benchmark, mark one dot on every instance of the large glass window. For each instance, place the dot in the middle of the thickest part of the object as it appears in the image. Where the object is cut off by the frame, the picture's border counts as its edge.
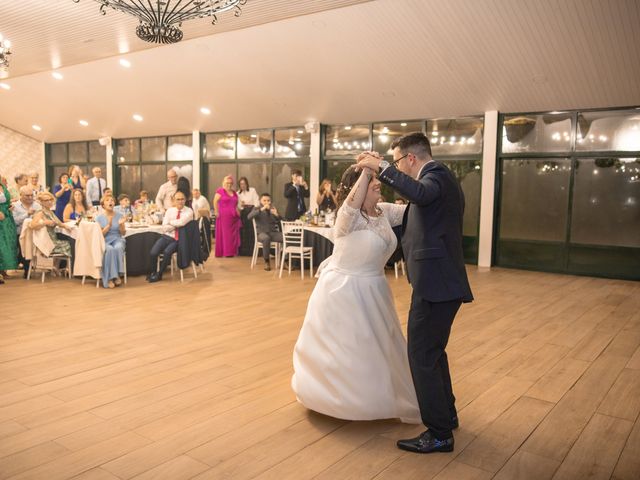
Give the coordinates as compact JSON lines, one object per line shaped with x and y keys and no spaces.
{"x":537,"y":133}
{"x":255,"y":144}
{"x":384,"y":134}
{"x":60,"y":156}
{"x":292,"y":143}
{"x":346,"y":140}
{"x":455,"y":136}
{"x":602,"y":131}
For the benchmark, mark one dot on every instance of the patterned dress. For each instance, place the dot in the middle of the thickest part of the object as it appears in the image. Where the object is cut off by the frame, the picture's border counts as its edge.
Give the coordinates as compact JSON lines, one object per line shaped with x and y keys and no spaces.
{"x":8,"y":235}
{"x":61,"y":247}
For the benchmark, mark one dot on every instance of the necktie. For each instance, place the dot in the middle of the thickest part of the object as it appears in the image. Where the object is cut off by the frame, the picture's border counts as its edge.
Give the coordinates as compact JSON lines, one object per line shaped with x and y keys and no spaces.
{"x":300,"y":200}
{"x":99,"y":190}
{"x":176,"y":233}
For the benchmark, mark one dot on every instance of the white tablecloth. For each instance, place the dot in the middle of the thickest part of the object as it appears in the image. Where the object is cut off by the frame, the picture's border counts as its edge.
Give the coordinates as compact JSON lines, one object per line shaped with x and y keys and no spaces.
{"x":326,"y":232}
{"x":130,"y":230}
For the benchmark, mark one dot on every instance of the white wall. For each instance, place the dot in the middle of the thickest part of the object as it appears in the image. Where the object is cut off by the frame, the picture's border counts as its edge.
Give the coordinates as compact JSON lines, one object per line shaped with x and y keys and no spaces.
{"x":20,"y":154}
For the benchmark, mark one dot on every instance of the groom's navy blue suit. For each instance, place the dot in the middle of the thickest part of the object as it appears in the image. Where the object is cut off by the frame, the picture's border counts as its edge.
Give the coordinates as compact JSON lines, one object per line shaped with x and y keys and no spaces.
{"x":432,"y":246}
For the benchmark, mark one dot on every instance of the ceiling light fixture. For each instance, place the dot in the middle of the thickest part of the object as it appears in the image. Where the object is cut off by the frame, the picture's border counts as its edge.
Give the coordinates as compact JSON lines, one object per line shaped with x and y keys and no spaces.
{"x":57,"y":75}
{"x":5,"y":51}
{"x":84,"y":123}
{"x":125,"y":63}
{"x":205,"y":111}
{"x":160,"y":20}
{"x":37,"y":128}
{"x":137,"y":117}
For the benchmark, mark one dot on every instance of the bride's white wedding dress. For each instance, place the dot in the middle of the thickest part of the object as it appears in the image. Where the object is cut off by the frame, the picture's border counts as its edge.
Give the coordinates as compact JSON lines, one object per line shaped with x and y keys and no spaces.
{"x":350,"y":360}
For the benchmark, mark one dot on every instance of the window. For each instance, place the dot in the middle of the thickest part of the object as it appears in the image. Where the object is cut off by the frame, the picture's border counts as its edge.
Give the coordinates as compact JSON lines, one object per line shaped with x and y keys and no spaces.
{"x":60,"y":156}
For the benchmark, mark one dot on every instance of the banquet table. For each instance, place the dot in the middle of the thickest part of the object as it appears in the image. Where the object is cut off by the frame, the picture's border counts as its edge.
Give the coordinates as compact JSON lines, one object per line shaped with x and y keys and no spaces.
{"x":139,"y":237}
{"x":321,"y":239}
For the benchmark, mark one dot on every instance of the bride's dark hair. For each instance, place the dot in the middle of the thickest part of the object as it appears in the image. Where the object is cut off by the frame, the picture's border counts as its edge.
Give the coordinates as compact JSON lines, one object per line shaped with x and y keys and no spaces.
{"x":348,"y":180}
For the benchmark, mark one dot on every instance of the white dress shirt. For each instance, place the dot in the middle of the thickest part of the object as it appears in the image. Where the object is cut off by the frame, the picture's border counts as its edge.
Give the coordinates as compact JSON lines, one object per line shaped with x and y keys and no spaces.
{"x":198,"y":204}
{"x":171,"y":221}
{"x":93,"y":189}
{"x":249,"y":199}
{"x":166,"y":191}
{"x":20,"y":213}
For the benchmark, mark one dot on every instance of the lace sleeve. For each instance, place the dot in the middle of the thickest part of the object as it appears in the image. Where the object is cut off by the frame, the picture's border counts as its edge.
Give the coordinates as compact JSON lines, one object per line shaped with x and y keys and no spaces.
{"x":393,"y":212}
{"x":346,"y":221}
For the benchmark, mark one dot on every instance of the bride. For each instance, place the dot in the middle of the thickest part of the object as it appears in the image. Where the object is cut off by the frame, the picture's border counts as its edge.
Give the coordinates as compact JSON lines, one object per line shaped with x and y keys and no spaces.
{"x":350,"y":360}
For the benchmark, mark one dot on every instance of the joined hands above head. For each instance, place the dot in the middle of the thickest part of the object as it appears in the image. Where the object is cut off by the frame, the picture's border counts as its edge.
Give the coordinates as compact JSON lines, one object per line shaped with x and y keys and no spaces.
{"x":370,"y":160}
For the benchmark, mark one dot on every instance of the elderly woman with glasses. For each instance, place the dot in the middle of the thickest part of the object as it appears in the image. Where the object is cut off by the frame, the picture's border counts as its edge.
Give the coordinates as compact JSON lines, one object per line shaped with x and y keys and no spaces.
{"x":49,"y":220}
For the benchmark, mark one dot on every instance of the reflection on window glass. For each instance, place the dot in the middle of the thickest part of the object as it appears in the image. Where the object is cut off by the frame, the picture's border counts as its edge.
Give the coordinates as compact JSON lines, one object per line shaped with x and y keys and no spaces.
{"x":55,"y":173}
{"x":292,"y":143}
{"x":258,"y":174}
{"x":180,"y":148}
{"x":151,"y":178}
{"x":215,"y":173}
{"x":346,"y":140}
{"x":78,"y":153}
{"x":255,"y":144}
{"x":534,"y":200}
{"x":127,"y":150}
{"x":606,"y":202}
{"x":130,"y":181}
{"x":182,"y":169}
{"x":455,"y":136}
{"x":154,"y":149}
{"x":613,"y":130}
{"x":58,"y":153}
{"x":220,"y":145}
{"x":97,"y":153}
{"x":384,"y":134}
{"x":469,"y":174}
{"x":537,"y":133}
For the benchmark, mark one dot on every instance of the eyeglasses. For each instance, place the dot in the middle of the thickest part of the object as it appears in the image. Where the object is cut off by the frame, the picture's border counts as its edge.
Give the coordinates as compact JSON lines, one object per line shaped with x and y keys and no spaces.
{"x":395,"y":162}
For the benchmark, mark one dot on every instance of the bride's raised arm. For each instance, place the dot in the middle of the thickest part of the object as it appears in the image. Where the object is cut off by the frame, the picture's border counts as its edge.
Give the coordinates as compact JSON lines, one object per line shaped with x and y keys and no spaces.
{"x":359,"y":190}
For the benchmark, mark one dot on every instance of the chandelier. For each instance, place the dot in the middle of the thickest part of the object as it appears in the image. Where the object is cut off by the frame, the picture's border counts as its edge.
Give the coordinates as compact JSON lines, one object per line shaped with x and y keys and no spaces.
{"x":160,"y":20}
{"x":5,"y":51}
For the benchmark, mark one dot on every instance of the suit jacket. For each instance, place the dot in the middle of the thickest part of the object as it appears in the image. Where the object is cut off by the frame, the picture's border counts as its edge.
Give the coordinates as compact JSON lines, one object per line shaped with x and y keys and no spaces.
{"x":265,"y":221}
{"x":432,"y":232}
{"x":293,"y":200}
{"x":189,"y":245}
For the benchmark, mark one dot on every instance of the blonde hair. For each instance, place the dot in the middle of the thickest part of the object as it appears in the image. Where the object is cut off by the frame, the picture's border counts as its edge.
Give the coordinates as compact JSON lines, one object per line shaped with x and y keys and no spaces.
{"x":43,"y":196}
{"x":104,"y":199}
{"x":230,"y":177}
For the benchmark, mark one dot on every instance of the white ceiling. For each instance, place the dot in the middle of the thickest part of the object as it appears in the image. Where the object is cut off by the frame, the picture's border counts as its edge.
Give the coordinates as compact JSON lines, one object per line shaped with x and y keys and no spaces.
{"x":366,"y":61}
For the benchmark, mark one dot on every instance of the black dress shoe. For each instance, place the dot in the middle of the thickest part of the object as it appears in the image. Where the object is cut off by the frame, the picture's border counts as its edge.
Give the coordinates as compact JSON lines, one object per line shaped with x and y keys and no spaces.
{"x":426,"y":443}
{"x":267,"y":266}
{"x":154,"y":277}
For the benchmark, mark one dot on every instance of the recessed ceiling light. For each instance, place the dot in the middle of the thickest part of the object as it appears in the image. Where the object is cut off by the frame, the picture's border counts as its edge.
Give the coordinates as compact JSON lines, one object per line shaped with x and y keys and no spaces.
{"x":125,"y":63}
{"x":403,"y":124}
{"x":205,"y":110}
{"x":348,"y":127}
{"x":57,"y":75}
{"x":84,"y":123}
{"x":300,"y":131}
{"x":37,"y":128}
{"x":137,"y":117}
{"x":6,"y":86}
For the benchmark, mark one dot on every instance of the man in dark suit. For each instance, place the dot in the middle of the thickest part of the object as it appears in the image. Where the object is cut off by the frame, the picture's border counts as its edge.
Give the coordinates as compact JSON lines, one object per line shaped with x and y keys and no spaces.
{"x":432,"y":246}
{"x":295,"y":192}
{"x":267,"y":223}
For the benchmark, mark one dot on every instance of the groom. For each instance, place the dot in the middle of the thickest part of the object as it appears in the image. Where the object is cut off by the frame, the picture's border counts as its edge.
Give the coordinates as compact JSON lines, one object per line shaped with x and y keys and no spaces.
{"x":432,"y":246}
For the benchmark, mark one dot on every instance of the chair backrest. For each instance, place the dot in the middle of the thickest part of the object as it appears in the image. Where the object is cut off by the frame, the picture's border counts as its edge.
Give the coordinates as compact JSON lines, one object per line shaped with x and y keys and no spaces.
{"x":292,"y":234}
{"x":255,"y":229}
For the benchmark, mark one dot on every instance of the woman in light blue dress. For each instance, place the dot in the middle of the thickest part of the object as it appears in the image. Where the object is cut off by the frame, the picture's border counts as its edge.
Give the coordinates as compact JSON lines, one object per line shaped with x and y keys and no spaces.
{"x":113,"y":229}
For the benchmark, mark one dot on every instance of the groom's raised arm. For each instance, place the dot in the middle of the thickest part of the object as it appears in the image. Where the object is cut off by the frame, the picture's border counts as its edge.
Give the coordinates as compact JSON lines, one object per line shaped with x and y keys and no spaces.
{"x":420,"y":192}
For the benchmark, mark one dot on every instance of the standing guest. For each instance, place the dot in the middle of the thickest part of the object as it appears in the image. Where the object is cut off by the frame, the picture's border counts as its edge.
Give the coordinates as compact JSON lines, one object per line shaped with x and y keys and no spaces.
{"x":200,"y":205}
{"x":166,"y":191}
{"x":21,"y":180}
{"x":174,"y":218}
{"x":8,"y":248}
{"x":124,"y":205}
{"x":247,"y":199}
{"x":62,"y":193}
{"x":34,"y":183}
{"x":143,"y":201}
{"x":76,"y":207}
{"x":95,"y":187}
{"x":184,"y":186}
{"x":247,"y":196}
{"x":326,"y":198}
{"x":113,"y":229}
{"x":225,"y":207}
{"x":76,"y":178}
{"x":25,"y":208}
{"x":47,"y":218}
{"x":267,"y":222}
{"x":295,"y":192}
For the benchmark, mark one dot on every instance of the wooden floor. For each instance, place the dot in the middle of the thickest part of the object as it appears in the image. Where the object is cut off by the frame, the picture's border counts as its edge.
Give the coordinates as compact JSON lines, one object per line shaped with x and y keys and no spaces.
{"x":177,"y":381}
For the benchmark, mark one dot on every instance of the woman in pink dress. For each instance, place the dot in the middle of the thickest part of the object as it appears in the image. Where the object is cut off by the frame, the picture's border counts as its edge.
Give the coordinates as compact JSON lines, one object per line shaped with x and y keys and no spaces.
{"x":225,"y":206}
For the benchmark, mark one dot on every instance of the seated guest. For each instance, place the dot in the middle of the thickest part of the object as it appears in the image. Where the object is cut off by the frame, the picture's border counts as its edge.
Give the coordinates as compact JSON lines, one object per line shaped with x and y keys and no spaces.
{"x":95,"y":187}
{"x":62,"y":192}
{"x":8,"y":249}
{"x":46,"y":218}
{"x":267,"y":223}
{"x":21,"y":180}
{"x":34,"y":183}
{"x":76,"y":206}
{"x":113,"y":229}
{"x":143,"y":201}
{"x":25,"y":208}
{"x":174,"y":218}
{"x":200,"y":205}
{"x":326,"y":198}
{"x":124,"y":207}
